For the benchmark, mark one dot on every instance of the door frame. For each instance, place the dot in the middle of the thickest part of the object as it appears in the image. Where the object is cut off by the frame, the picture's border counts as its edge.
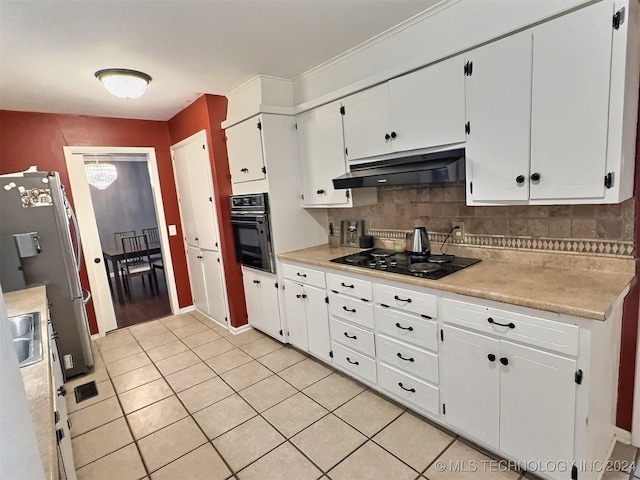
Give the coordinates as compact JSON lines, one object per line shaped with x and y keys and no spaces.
{"x":91,"y":247}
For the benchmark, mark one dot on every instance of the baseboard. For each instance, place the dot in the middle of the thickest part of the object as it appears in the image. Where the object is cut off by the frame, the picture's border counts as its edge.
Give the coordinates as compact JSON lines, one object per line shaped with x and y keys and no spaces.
{"x":211,"y":319}
{"x":94,"y":337}
{"x":237,"y":330}
{"x":188,"y":309}
{"x":622,"y":435}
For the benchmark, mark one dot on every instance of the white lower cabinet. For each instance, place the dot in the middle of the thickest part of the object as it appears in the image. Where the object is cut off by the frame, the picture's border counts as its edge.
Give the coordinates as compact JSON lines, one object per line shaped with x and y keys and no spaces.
{"x":261,"y":295}
{"x":207,"y":287}
{"x":416,"y":393}
{"x":354,"y":362}
{"x":305,"y":306}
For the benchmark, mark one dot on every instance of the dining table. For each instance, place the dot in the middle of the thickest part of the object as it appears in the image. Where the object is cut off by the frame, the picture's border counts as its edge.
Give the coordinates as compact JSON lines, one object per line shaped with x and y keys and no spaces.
{"x":115,"y":255}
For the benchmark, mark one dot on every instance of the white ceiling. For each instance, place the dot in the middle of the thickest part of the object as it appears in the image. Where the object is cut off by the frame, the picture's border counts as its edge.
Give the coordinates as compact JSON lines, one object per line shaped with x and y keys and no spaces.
{"x":49,"y":50}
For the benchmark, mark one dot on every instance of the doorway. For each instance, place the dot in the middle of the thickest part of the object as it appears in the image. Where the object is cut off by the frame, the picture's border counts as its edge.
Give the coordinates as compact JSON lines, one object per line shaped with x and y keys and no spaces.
{"x":108,"y":312}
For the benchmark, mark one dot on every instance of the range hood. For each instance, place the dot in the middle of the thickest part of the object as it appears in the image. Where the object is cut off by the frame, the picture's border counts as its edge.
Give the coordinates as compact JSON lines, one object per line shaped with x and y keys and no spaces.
{"x":436,"y":167}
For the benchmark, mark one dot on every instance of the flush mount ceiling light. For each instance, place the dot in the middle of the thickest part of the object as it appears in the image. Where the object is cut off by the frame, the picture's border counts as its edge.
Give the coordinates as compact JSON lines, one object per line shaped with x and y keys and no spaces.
{"x":123,"y":83}
{"x":100,"y":175}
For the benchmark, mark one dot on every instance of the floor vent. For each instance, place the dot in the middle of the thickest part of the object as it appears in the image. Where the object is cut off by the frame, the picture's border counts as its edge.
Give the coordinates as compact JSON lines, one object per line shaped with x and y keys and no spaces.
{"x":85,"y":391}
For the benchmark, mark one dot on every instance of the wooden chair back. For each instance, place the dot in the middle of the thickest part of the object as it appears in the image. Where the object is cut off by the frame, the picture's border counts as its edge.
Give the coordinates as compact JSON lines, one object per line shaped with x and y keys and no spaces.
{"x":118,"y":235}
{"x":152,"y":234}
{"x":136,"y":254}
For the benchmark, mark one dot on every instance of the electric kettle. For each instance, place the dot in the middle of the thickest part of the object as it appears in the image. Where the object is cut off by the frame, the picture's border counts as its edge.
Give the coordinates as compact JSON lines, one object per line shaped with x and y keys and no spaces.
{"x":420,"y":241}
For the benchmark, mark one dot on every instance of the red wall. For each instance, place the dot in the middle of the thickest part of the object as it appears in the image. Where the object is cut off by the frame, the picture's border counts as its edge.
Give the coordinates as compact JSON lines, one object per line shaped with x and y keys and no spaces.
{"x":28,"y":138}
{"x":207,"y":113}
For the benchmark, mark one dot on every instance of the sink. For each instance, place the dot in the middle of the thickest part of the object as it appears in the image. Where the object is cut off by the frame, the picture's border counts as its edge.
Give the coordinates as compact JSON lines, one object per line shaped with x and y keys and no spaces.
{"x":25,"y":330}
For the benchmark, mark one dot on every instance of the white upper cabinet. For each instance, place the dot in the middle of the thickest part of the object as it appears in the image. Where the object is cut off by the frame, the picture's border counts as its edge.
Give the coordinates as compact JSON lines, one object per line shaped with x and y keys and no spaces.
{"x":244,"y":148}
{"x":498,"y":108}
{"x":427,"y":107}
{"x":367,"y":132}
{"x":570,"y":104}
{"x":321,"y":150}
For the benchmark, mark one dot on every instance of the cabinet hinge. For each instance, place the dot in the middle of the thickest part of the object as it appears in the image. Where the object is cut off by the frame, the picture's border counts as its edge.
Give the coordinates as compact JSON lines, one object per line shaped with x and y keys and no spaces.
{"x":295,"y":125}
{"x":281,"y":332}
{"x":211,"y":199}
{"x":618,"y":18}
{"x":226,"y":319}
{"x":203,"y":147}
{"x":259,"y":125}
{"x":276,"y":285}
{"x":302,"y":196}
{"x":444,"y":408}
{"x":578,"y":377}
{"x":331,"y":353}
{"x":218,"y":260}
{"x":467,"y":128}
{"x":471,"y":188}
{"x":347,"y":193}
{"x":574,"y":473}
{"x":342,"y":110}
{"x":468,"y":69}
{"x":264,"y":170}
{"x":346,"y":152}
{"x":608,"y":180}
{"x":442,"y":335}
{"x":326,"y":299}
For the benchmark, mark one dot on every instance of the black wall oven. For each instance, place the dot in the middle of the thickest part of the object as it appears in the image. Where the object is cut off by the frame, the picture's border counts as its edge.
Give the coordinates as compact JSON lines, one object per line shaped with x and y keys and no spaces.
{"x":252,"y":231}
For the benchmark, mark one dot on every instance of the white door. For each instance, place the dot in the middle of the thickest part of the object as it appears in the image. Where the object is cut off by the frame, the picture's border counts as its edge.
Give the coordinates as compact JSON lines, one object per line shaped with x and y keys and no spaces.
{"x":181,"y":165}
{"x":568,"y":124}
{"x":321,"y":149}
{"x":196,"y":277}
{"x":252,"y":297}
{"x":269,"y":305}
{"x":427,"y":106}
{"x":366,"y":123}
{"x":295,"y":307}
{"x":195,"y":191}
{"x":537,"y":404}
{"x":244,"y":148}
{"x":469,"y":383}
{"x":498,"y":109}
{"x":216,"y":301}
{"x":318,"y":322}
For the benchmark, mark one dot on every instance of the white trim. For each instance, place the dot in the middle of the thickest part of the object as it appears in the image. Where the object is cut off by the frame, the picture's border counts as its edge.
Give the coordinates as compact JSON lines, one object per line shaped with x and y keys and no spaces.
{"x":622,"y":435}
{"x":274,"y":109}
{"x":190,"y":308}
{"x":237,"y":330}
{"x":74,"y":157}
{"x":95,"y":337}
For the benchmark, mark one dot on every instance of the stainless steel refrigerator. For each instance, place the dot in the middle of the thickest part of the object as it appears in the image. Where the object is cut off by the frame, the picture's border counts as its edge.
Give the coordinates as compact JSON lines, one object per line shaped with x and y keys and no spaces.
{"x":40,"y":244}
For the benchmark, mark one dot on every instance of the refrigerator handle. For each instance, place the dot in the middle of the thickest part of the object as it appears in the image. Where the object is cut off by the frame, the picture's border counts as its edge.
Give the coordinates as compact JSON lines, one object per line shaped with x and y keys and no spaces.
{"x":76,"y":232}
{"x":86,"y":299}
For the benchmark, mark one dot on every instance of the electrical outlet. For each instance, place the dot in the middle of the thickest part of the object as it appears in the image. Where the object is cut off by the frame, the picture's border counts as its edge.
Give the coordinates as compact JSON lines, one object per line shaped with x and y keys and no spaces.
{"x":458,"y":234}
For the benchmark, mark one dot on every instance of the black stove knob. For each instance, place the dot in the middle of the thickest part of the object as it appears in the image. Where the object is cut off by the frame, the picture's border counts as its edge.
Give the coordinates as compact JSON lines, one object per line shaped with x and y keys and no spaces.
{"x":393,"y":263}
{"x":372,"y":263}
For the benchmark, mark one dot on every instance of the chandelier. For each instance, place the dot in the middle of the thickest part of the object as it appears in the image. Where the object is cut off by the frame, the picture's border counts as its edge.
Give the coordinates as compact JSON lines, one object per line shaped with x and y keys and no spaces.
{"x":124,"y":83}
{"x":101,"y":175}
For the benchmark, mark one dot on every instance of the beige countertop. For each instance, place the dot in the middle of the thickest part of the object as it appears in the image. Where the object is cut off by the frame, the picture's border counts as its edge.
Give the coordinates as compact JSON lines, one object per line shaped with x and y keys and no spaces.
{"x":588,"y":292}
{"x":37,"y":377}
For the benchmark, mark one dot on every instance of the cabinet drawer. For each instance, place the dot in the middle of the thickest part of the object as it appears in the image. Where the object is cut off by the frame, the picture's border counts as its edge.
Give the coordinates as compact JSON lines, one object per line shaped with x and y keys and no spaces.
{"x":351,"y":309}
{"x":407,"y":300}
{"x":304,"y":275}
{"x":354,"y":362}
{"x":349,"y":286}
{"x":409,"y":328}
{"x":407,"y":358}
{"x":556,"y":336}
{"x":410,"y":389}
{"x":353,"y":337}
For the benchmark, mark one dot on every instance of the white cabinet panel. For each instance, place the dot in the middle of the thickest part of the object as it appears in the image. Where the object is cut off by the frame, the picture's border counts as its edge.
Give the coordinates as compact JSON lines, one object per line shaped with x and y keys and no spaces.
{"x":470,"y":386}
{"x":570,"y":104}
{"x":305,"y":275}
{"x":427,"y":106}
{"x":244,"y":148}
{"x":353,"y":337}
{"x":196,"y":277}
{"x":409,"y":389}
{"x":397,"y":297}
{"x":407,"y":328}
{"x":353,"y":310}
{"x":498,"y":109}
{"x":213,"y":281}
{"x":406,"y":358}
{"x":294,"y":298}
{"x":321,"y":149}
{"x":349,"y":286}
{"x":537,"y":396}
{"x":353,"y":362}
{"x":181,"y":168}
{"x":261,"y":297}
{"x":366,"y":123}
{"x":317,"y":313}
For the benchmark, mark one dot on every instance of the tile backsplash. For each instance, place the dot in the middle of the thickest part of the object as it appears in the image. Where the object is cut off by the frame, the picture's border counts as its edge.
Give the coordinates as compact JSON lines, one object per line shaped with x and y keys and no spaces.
{"x":606,"y":229}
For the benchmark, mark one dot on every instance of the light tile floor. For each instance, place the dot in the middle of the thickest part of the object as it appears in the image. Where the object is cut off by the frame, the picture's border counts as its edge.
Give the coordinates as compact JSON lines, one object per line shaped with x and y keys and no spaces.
{"x":180,"y":398}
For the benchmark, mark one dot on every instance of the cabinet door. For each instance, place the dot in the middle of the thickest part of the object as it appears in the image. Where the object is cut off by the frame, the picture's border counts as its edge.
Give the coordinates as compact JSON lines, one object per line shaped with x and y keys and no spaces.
{"x":321,"y":149}
{"x":261,"y":296}
{"x":427,"y":106}
{"x":251,"y":296}
{"x":569,"y":124}
{"x":318,"y":322}
{"x":295,"y":313}
{"x":244,"y":147}
{"x":201,"y":193}
{"x":498,"y":106}
{"x":181,"y":165}
{"x":196,"y":276}
{"x":537,"y":396}
{"x":366,"y":123}
{"x":214,"y":285}
{"x":469,"y":383}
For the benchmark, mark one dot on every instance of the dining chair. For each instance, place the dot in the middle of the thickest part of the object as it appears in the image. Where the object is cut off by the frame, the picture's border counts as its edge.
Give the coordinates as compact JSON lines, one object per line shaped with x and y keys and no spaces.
{"x":137,"y":262}
{"x":152,"y":234}
{"x":118,"y":235}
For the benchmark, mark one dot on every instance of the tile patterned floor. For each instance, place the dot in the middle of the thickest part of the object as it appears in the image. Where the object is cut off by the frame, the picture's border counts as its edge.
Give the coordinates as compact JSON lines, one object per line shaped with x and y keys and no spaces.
{"x":180,"y":398}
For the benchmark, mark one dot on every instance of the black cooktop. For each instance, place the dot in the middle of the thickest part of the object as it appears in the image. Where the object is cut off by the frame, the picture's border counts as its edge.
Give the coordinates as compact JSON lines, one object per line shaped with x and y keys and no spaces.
{"x":431,"y":267}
